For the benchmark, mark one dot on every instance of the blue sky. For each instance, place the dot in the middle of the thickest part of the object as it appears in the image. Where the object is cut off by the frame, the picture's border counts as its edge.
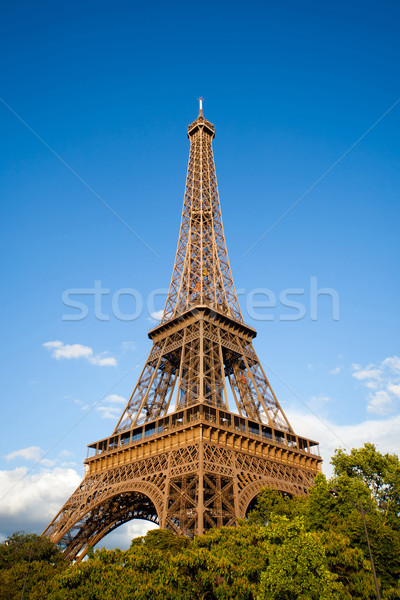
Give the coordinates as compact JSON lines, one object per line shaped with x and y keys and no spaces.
{"x":109,"y":88}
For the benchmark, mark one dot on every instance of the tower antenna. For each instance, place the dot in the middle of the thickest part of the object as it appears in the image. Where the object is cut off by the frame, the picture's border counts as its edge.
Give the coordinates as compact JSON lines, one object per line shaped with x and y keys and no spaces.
{"x":201,"y":106}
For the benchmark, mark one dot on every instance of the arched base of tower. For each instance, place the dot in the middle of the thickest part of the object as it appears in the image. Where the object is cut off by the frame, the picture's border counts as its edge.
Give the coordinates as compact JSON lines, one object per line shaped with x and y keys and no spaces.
{"x":83,"y":522}
{"x":250,"y":493}
{"x":123,"y":536}
{"x":196,"y":471}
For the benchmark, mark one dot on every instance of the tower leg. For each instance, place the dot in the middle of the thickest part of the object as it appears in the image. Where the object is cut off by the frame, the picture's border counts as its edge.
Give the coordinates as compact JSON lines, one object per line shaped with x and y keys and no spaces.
{"x":200,"y":501}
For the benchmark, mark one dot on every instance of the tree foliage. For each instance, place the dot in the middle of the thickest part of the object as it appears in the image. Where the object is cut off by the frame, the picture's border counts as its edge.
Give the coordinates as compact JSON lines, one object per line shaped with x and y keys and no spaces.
{"x":297,"y":566}
{"x":380,"y":472}
{"x":27,"y":563}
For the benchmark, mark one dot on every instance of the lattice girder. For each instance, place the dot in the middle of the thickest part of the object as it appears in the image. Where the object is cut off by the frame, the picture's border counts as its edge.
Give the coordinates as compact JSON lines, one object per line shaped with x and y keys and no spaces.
{"x":213,"y":354}
{"x":201,"y":273}
{"x":208,"y":481}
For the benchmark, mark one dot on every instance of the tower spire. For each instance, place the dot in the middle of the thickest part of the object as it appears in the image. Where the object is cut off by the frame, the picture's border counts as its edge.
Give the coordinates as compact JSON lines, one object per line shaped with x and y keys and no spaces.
{"x":201,"y":99}
{"x":201,"y":273}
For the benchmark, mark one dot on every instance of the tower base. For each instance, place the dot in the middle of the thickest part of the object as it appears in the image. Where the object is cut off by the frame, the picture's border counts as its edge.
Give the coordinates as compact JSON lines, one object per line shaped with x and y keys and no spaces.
{"x":189,"y":471}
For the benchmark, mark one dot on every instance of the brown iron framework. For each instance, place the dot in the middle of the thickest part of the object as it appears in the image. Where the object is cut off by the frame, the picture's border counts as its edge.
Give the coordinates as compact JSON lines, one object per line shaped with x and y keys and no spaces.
{"x":180,"y":456}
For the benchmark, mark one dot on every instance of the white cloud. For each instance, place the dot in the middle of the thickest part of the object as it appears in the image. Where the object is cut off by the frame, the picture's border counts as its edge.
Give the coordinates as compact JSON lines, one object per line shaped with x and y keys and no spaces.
{"x":128,"y":346}
{"x":109,"y":412}
{"x":393,"y":362}
{"x":384,"y":433}
{"x":380,"y":403}
{"x":66,"y":453}
{"x":29,"y":502}
{"x":157,"y":315}
{"x":81,"y":404}
{"x":319,"y":401}
{"x":59,"y":350}
{"x":111,"y":406}
{"x":372,"y":385}
{"x":336,"y":370}
{"x":33,"y":453}
{"x":394,"y":389}
{"x":103,"y":361}
{"x":369,"y":372}
{"x":384,"y":380}
{"x":122,"y":537}
{"x":115,"y":399}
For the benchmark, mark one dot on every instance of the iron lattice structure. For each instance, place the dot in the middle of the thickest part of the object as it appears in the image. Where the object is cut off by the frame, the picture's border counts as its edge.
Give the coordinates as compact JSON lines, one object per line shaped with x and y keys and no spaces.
{"x":180,"y":455}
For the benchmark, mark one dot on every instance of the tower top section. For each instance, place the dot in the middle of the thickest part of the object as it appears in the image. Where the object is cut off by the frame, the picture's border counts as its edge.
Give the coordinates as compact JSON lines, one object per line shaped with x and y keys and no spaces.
{"x":202,"y":274}
{"x":201,"y":124}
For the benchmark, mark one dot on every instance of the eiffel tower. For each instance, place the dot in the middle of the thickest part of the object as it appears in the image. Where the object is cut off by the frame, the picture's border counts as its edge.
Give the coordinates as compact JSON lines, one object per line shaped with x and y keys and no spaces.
{"x":203,"y":431}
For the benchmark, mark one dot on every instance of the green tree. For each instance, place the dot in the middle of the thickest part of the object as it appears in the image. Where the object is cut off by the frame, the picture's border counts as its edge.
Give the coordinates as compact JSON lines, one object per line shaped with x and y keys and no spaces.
{"x":27,"y":563}
{"x":287,"y":549}
{"x":161,"y":539}
{"x":25,"y":547}
{"x":273,"y":502}
{"x":333,"y":517}
{"x":297,"y":568}
{"x":380,"y":472}
{"x":349,"y":564}
{"x":237,"y":556}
